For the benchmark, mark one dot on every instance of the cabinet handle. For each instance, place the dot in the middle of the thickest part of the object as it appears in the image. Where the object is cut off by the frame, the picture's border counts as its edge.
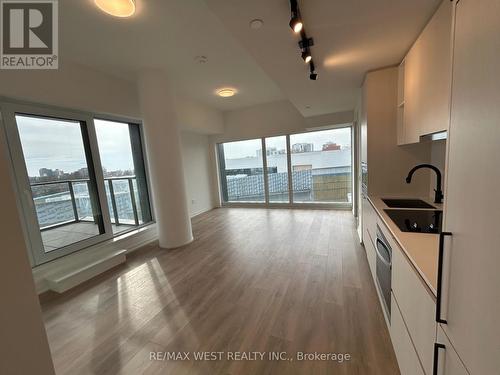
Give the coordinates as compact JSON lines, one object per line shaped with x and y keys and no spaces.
{"x":436,"y":357}
{"x":440,"y":277}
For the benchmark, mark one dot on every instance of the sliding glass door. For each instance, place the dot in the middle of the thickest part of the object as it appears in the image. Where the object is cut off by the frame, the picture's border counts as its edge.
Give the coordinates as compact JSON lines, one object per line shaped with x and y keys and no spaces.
{"x":321,"y":166}
{"x":306,"y":168}
{"x":242,"y":171}
{"x":80,"y":180}
{"x":277,"y":169}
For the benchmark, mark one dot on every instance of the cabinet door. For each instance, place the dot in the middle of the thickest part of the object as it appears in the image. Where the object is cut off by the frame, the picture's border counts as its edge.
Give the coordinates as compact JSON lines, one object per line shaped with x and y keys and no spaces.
{"x":448,"y":361}
{"x":417,"y":307}
{"x":427,"y":77}
{"x":471,"y":298}
{"x":405,"y":352}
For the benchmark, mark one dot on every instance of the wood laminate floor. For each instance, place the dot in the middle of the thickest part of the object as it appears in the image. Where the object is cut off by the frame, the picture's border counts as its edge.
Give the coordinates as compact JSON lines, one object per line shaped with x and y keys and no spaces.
{"x":254,"y":280}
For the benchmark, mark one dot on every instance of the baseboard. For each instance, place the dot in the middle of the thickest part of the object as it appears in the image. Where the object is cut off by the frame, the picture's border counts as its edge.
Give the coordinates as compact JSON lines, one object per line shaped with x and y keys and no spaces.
{"x":202,"y":211}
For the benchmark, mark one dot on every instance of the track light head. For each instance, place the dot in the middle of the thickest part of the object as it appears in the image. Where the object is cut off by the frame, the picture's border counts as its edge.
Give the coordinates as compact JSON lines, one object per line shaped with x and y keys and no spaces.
{"x":313,"y":76}
{"x":295,"y":21}
{"x":306,"y":55}
{"x":296,"y":24}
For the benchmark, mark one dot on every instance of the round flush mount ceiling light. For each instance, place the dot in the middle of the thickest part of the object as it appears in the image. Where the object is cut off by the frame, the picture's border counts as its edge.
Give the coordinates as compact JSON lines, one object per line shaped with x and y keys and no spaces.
{"x":117,"y":8}
{"x":226,"y":92}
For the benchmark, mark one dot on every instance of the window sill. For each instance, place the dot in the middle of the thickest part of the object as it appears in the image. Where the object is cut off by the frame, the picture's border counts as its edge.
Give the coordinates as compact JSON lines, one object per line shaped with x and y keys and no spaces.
{"x":71,"y":270}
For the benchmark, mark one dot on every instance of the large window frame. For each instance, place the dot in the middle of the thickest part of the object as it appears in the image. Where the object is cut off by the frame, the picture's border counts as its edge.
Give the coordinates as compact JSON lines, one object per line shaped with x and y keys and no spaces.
{"x":290,"y":203}
{"x":9,"y":109}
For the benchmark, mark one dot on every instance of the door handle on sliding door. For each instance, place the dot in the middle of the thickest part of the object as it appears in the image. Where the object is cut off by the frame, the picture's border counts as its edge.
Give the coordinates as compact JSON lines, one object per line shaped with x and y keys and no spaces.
{"x":439,"y":290}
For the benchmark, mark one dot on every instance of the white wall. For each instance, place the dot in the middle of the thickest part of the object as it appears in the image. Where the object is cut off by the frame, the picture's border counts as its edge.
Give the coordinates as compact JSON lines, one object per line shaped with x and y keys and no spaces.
{"x":198,"y":172}
{"x":438,"y":158}
{"x":74,"y":87}
{"x":276,"y":118}
{"x":77,"y":87}
{"x":197,"y":117}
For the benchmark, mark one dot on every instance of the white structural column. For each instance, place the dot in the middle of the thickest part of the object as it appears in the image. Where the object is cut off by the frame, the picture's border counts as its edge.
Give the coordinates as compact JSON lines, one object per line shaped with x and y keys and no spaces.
{"x":163,"y":145}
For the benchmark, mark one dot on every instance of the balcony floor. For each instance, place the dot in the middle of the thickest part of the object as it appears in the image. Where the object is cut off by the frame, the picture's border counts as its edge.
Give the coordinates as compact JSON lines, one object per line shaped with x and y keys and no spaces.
{"x":65,"y":235}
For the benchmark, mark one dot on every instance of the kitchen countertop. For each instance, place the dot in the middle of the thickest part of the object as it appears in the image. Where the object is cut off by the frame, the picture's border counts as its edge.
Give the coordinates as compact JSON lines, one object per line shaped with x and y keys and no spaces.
{"x":420,"y":248}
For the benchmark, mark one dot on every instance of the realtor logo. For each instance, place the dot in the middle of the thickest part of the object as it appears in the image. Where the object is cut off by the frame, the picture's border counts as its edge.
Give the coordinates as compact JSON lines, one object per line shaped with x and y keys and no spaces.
{"x":29,"y":34}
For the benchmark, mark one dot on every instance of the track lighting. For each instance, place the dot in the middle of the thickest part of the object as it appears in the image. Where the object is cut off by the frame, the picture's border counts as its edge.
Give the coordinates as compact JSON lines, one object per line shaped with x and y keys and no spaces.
{"x":295,"y":21}
{"x":305,"y":43}
{"x":313,"y":76}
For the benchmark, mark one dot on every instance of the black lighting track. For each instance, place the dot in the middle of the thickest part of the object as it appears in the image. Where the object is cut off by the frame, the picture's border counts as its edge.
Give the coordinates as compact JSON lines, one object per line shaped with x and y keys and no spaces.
{"x":305,"y":43}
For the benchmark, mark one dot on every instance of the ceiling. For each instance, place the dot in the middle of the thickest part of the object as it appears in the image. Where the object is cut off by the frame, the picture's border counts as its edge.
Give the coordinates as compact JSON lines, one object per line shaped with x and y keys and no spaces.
{"x":351,"y":38}
{"x":166,"y":34}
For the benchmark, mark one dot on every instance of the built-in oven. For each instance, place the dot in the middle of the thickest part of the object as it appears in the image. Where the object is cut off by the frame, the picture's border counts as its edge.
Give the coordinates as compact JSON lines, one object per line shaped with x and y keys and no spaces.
{"x":384,"y":270}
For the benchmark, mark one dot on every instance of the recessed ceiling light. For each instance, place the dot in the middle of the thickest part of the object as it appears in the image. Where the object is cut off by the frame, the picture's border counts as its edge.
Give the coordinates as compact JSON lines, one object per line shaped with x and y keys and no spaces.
{"x":256,"y":24}
{"x":117,"y":8}
{"x":226,"y":92}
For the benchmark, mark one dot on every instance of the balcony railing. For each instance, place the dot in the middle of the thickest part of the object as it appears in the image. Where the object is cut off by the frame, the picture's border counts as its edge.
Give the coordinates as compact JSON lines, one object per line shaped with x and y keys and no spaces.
{"x":71,"y":202}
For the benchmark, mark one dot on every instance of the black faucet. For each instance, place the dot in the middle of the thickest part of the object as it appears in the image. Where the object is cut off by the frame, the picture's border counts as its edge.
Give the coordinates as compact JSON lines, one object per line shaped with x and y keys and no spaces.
{"x":438,"y":197}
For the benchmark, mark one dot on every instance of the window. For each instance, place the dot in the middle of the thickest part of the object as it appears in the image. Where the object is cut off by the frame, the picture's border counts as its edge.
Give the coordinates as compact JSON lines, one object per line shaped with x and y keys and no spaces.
{"x":80,"y":180}
{"x":313,"y":167}
{"x":242,"y":171}
{"x":62,"y":181}
{"x":321,"y":166}
{"x":277,"y":169}
{"x":124,"y":174}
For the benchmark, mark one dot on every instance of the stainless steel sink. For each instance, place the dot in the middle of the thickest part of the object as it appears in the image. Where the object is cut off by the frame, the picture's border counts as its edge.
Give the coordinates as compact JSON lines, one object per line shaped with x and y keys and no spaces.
{"x":406,"y":203}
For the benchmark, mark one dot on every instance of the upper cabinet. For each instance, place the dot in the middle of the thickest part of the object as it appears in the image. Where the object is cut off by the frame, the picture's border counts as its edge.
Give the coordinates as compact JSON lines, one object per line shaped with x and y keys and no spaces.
{"x":425,"y":79}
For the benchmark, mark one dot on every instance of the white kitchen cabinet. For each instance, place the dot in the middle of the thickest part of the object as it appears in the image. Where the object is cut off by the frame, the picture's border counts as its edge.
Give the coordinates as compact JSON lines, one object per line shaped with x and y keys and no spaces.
{"x":448,"y":361}
{"x":424,"y":105}
{"x":470,"y":292}
{"x":406,"y":355}
{"x":417,"y":306}
{"x":387,"y":164}
{"x":416,"y":303}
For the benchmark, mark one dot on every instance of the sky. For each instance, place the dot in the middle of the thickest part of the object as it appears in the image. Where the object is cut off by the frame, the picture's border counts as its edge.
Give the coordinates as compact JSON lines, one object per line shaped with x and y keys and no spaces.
{"x":241,"y":149}
{"x":58,"y":144}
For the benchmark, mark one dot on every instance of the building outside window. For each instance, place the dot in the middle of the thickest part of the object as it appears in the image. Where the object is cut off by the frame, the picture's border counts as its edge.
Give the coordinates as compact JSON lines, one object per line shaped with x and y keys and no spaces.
{"x":320,"y":163}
